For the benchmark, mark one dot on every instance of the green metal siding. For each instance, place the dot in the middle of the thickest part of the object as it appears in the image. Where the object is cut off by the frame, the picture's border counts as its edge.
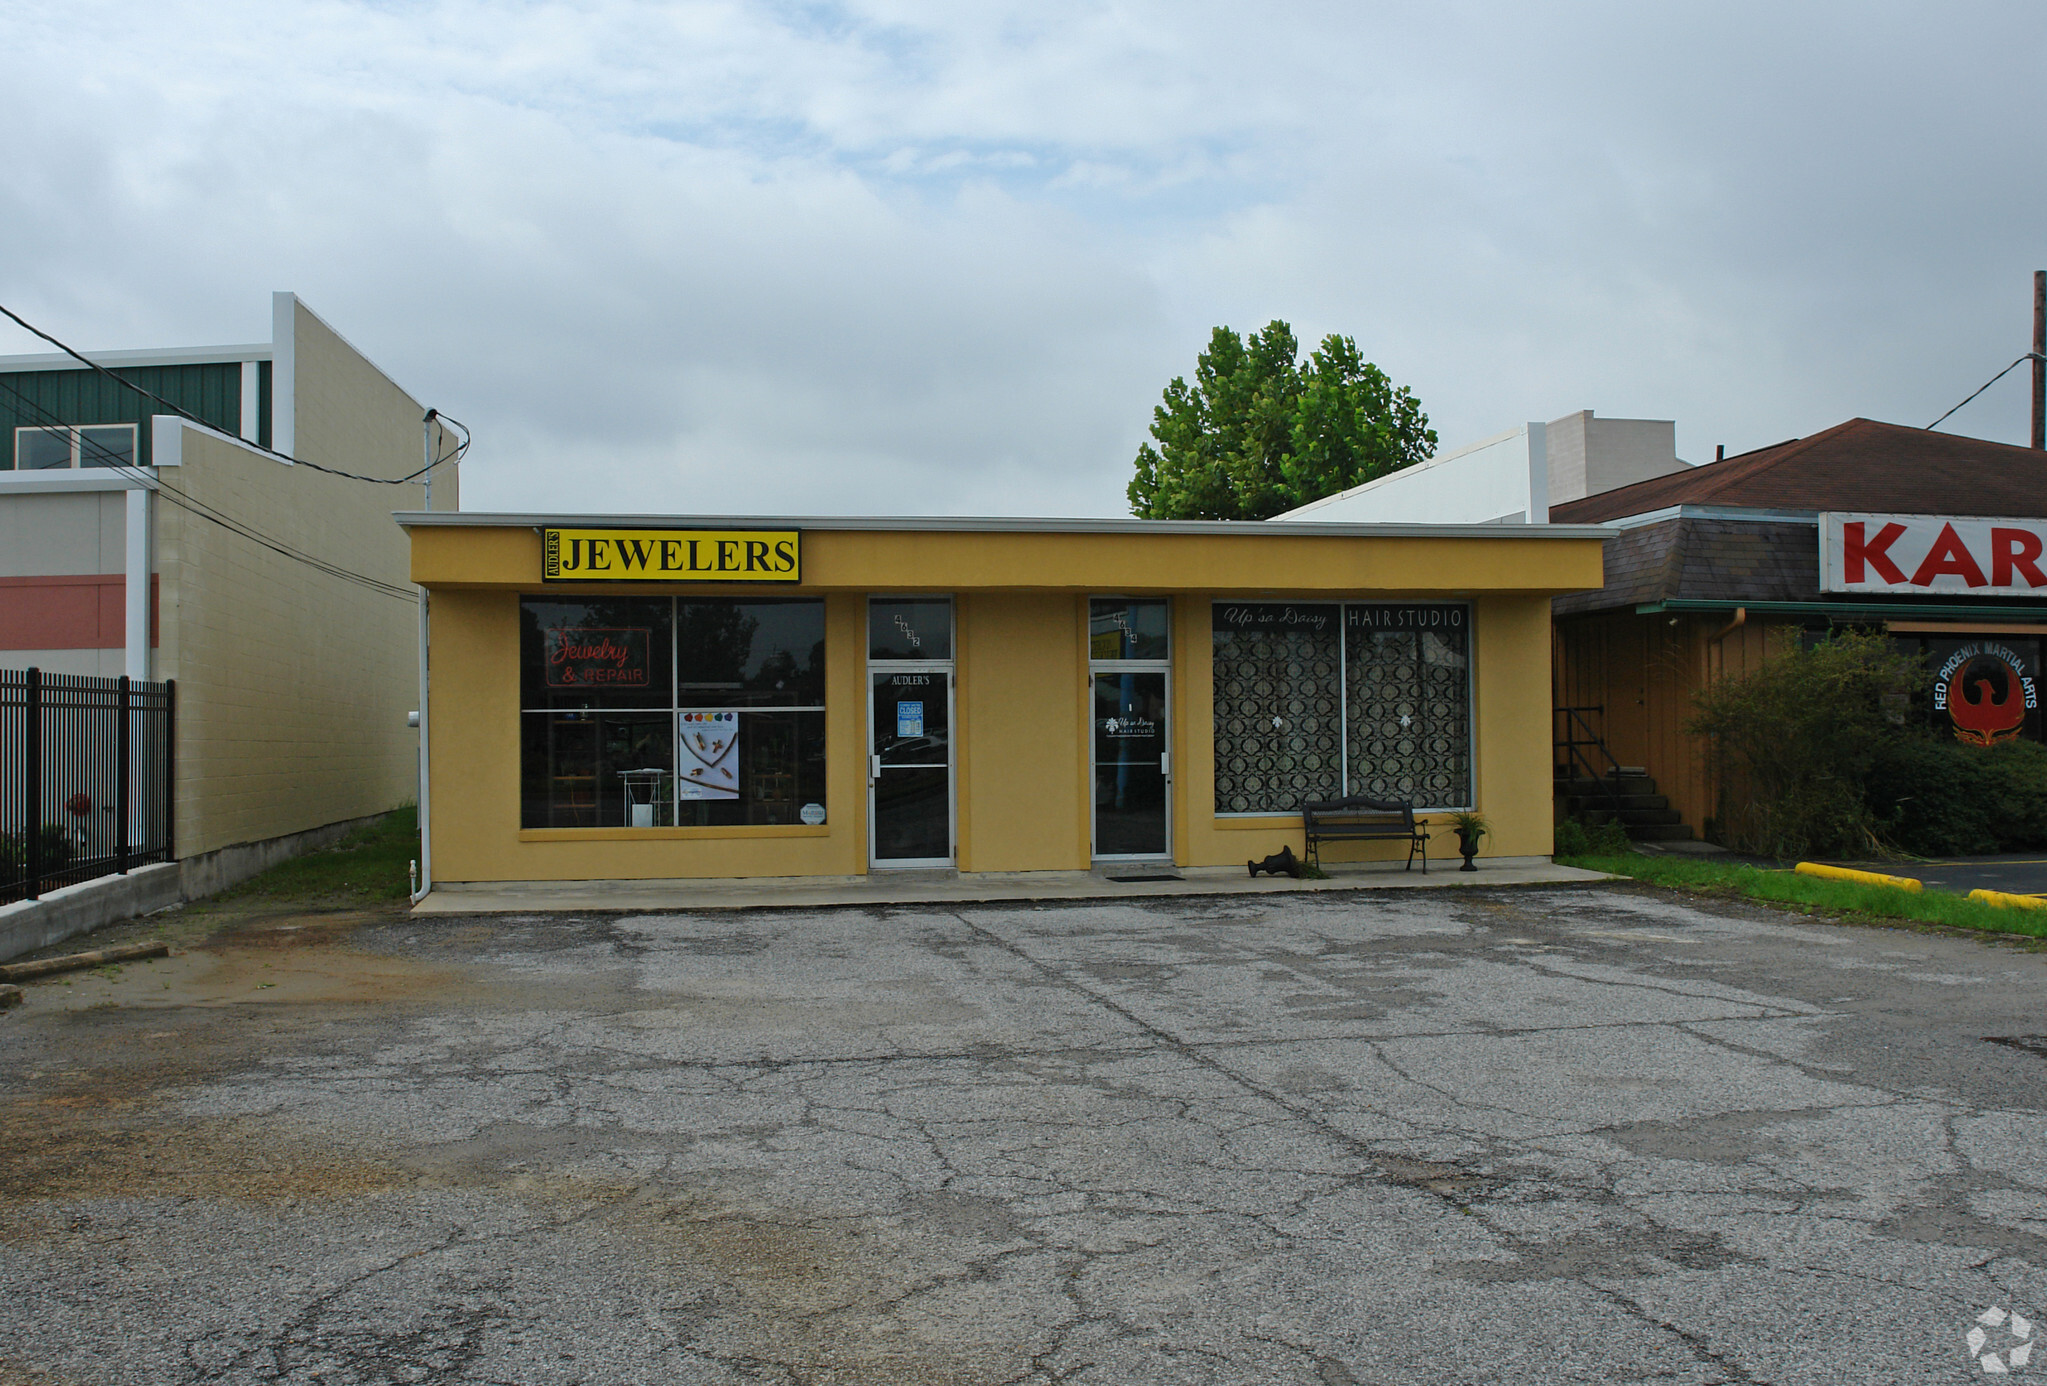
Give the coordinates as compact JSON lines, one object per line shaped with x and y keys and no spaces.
{"x":212,"y":391}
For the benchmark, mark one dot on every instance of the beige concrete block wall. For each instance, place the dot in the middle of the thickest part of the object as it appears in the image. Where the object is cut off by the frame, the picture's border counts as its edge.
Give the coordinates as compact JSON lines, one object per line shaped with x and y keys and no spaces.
{"x":294,"y":684}
{"x":348,"y":414}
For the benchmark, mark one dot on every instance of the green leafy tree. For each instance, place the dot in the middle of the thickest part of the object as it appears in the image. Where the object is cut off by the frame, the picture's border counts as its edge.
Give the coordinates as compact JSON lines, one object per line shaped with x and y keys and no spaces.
{"x":1260,"y":431}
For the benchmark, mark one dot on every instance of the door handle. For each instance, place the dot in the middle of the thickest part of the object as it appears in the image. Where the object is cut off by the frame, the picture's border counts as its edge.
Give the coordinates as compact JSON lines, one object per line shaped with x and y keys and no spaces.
{"x":873,"y":769}
{"x":1166,"y":764}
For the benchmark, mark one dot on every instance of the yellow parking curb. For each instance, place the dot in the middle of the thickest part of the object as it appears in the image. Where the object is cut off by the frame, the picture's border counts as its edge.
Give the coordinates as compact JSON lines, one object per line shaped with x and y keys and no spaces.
{"x":1844,"y":873}
{"x":2009,"y":902}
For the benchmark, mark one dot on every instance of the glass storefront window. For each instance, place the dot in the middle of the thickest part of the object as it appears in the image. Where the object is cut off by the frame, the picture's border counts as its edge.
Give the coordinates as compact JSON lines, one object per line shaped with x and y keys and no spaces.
{"x":652,"y":712}
{"x":573,"y":765}
{"x":1127,"y":628}
{"x":597,"y":653}
{"x":750,"y":653}
{"x":1313,"y":700}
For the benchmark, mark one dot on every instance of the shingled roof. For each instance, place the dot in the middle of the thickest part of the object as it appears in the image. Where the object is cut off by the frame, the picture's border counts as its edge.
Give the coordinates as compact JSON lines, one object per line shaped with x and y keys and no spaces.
{"x":1734,"y":561}
{"x":1859,"y":465}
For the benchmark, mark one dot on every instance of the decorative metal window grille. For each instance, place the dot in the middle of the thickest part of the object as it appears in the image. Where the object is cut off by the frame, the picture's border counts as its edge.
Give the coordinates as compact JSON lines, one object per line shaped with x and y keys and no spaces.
{"x":1316,"y":700}
{"x":1278,"y":718}
{"x":1408,"y":708}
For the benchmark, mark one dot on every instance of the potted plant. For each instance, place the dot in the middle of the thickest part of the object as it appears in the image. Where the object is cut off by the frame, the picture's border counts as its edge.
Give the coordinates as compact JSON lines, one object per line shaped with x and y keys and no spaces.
{"x":1470,"y":828}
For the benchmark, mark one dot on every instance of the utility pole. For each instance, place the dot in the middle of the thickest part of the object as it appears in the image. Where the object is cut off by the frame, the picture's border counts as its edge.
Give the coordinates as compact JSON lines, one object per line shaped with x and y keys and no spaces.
{"x":2040,"y":359}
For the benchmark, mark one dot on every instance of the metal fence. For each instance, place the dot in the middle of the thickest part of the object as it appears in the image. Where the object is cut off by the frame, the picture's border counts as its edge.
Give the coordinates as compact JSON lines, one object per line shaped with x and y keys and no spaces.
{"x":85,"y":778}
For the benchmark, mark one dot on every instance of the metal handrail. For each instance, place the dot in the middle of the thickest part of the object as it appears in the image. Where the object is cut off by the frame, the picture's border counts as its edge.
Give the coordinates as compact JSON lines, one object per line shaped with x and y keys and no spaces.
{"x":1570,"y":742}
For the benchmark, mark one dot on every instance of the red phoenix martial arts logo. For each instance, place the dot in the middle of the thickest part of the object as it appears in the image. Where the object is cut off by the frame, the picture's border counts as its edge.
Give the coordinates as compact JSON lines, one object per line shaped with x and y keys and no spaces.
{"x":1985,"y":691}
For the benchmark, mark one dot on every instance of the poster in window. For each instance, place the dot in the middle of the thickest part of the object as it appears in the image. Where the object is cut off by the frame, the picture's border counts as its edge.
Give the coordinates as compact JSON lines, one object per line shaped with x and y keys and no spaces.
{"x":589,"y":658}
{"x":909,"y":718}
{"x":708,"y":754}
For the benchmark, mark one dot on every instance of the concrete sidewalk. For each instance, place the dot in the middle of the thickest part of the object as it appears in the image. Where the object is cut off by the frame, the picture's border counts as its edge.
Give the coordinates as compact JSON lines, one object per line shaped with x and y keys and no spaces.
{"x":972,"y":887}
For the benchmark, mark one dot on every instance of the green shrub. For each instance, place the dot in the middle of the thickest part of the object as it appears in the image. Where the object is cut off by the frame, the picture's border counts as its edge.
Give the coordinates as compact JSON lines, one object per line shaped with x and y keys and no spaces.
{"x":1578,"y":839}
{"x":1795,"y":741}
{"x":58,"y":849}
{"x":1937,"y":798}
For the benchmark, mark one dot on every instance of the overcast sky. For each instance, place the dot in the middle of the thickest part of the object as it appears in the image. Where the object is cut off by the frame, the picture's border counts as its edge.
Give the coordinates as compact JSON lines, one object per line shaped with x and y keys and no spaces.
{"x":910,"y":257}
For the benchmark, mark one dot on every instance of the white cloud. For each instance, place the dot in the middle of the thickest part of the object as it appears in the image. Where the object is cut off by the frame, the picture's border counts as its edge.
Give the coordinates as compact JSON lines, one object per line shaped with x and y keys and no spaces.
{"x":920,"y":257}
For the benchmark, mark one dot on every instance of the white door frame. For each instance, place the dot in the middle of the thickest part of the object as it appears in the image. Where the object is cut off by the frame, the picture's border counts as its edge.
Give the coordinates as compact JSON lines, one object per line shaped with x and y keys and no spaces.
{"x":1164,"y":668}
{"x":915,"y":666}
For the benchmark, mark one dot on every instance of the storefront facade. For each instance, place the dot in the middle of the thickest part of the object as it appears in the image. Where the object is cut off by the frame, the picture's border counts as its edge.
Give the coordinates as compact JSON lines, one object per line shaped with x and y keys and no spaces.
{"x":643,"y":698}
{"x":1937,"y":540}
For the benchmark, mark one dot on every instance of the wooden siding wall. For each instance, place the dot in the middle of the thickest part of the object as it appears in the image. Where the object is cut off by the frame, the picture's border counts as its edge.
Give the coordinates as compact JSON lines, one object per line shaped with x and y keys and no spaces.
{"x":1643,"y":670}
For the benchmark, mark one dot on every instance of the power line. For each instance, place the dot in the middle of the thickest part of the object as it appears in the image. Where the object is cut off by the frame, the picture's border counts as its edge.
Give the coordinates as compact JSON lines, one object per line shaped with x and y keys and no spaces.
{"x":111,"y":461}
{"x":2029,"y":356}
{"x":183,"y":412}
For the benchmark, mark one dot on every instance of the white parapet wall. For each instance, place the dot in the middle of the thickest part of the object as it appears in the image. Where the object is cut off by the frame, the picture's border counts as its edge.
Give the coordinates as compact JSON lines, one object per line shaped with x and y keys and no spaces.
{"x":1500,"y":480}
{"x":1510,"y":478}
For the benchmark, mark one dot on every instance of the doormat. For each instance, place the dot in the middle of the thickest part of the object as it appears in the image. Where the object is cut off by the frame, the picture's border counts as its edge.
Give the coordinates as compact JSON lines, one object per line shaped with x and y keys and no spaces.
{"x":1137,"y":880}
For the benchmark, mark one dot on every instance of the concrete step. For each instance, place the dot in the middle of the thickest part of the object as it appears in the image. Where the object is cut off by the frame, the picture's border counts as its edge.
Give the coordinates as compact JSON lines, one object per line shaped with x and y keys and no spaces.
{"x":1661,"y":832}
{"x":1587,"y":803}
{"x":1586,"y":789}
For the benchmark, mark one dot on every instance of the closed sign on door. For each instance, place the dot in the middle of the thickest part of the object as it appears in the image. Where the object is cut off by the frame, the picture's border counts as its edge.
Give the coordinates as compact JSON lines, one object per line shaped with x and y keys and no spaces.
{"x":909,"y":719}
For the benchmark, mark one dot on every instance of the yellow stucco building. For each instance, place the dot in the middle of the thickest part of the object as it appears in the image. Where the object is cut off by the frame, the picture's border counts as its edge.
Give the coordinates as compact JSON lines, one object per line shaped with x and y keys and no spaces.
{"x":647,"y":698}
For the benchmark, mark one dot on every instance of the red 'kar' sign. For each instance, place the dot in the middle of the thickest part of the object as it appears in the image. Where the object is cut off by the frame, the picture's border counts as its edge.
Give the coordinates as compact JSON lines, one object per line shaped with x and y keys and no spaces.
{"x":1932,"y":553}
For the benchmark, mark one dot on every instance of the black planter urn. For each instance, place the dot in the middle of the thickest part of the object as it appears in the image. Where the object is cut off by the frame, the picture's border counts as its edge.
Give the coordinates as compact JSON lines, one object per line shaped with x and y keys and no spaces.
{"x":1467,"y":845}
{"x":1280,"y":863}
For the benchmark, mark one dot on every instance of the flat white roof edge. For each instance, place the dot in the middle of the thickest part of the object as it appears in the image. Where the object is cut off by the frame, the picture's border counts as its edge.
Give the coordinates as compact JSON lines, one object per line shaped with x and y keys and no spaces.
{"x":1714,"y":512}
{"x":167,"y":356}
{"x":993,"y":524}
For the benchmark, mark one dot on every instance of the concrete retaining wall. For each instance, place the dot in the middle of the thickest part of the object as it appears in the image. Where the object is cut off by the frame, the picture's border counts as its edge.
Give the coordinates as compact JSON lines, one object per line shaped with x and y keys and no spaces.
{"x":28,"y":925}
{"x":212,"y":872}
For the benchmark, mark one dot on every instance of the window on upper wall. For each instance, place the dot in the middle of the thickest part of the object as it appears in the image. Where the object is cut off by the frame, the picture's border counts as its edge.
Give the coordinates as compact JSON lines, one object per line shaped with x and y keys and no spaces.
{"x":654,"y":712}
{"x":1127,"y":628}
{"x":1318,"y":699}
{"x":96,"y":445}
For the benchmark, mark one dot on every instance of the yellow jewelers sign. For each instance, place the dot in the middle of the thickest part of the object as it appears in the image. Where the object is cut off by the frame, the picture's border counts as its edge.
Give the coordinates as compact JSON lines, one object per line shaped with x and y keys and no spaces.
{"x":671,"y":555}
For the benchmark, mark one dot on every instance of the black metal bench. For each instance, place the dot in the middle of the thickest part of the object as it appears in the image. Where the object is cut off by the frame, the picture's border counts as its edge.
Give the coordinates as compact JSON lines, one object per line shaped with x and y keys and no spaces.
{"x":1360,"y":819}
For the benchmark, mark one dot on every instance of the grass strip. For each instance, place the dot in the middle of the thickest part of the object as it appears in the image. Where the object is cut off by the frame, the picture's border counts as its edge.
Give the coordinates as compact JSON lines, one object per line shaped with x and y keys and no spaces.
{"x":1814,"y":895}
{"x":369,"y":866}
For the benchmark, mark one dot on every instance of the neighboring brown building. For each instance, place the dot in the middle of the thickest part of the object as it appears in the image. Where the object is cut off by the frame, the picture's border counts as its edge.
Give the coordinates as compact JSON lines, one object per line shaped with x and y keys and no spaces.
{"x":1848,"y":527}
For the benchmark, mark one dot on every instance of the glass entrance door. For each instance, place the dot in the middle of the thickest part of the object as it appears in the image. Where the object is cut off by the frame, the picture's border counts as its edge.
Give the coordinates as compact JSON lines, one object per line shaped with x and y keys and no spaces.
{"x":911,"y":766}
{"x":909,"y":731}
{"x":1132,"y":764}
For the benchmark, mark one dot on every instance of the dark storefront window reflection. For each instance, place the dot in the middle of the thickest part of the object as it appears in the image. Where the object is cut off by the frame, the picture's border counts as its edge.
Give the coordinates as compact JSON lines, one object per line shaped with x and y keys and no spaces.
{"x":1127,"y":628}
{"x":909,"y":628}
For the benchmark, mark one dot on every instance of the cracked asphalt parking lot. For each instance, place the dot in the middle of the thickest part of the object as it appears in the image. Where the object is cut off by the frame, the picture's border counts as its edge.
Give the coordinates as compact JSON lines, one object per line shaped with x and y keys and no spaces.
{"x":1386,"y":1136}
